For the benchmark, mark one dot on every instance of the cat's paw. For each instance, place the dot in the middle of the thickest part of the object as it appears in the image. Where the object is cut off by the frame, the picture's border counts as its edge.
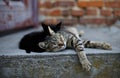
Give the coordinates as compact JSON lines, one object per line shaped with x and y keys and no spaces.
{"x":86,"y":65}
{"x":106,"y":46}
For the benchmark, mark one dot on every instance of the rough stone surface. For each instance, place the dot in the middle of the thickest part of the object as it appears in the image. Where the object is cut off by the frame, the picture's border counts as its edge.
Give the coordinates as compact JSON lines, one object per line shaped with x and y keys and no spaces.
{"x":59,"y":66}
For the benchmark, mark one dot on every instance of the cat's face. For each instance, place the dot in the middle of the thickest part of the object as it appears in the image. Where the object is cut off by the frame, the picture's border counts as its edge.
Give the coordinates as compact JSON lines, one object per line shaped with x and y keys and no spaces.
{"x":55,"y":42}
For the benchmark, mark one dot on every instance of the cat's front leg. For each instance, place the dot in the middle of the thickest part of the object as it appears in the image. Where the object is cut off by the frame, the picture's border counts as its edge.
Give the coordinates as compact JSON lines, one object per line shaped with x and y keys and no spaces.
{"x":79,"y":48}
{"x":84,"y":61}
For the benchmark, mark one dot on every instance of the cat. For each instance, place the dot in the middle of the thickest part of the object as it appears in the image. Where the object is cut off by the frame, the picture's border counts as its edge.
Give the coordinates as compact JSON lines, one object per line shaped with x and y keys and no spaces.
{"x":68,"y":38}
{"x":30,"y":41}
{"x":57,"y":39}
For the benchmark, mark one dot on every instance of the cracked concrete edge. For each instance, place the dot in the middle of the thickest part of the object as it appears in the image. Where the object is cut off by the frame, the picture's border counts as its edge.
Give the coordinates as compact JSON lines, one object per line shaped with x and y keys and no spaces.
{"x":88,"y":52}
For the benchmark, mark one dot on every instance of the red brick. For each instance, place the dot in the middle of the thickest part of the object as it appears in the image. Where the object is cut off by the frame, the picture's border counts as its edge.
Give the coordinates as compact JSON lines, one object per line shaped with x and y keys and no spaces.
{"x":65,"y":12}
{"x":96,"y":3}
{"x":117,"y":12}
{"x":65,"y":21}
{"x":97,"y":21}
{"x":40,"y":4}
{"x":46,"y":4}
{"x":110,"y":21}
{"x":51,"y":21}
{"x":106,"y":12}
{"x":82,"y":3}
{"x":64,"y":3}
{"x":90,"y":3}
{"x":55,"y":12}
{"x":69,"y":21}
{"x":43,"y":12}
{"x":92,"y":20}
{"x":77,"y":12}
{"x":113,"y":4}
{"x":91,"y":11}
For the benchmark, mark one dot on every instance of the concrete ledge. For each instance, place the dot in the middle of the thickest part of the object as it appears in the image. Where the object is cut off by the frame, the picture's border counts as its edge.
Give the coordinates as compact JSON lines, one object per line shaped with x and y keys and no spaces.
{"x":59,"y":66}
{"x":64,"y":52}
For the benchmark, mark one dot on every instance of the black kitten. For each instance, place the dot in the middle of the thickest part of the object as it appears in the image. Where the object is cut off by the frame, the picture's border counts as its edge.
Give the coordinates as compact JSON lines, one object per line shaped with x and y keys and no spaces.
{"x":30,"y":41}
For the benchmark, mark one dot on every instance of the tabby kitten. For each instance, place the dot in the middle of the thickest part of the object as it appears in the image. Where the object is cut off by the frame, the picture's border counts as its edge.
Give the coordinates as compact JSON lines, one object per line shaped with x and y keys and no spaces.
{"x":52,"y":39}
{"x":30,"y":41}
{"x":69,"y":38}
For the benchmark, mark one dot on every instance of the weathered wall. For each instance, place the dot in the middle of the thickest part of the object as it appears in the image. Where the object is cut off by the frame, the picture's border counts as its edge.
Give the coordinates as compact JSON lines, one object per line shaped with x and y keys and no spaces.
{"x":17,"y":14}
{"x":80,"y":11}
{"x":59,"y":66}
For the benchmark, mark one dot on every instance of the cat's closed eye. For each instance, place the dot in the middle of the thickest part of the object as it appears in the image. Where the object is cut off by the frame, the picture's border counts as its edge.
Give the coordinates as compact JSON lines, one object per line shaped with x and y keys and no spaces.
{"x":54,"y":44}
{"x":60,"y":44}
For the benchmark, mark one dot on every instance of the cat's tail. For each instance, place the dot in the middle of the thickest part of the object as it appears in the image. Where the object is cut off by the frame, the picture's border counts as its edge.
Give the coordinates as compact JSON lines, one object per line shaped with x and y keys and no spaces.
{"x":81,"y":33}
{"x":97,"y":44}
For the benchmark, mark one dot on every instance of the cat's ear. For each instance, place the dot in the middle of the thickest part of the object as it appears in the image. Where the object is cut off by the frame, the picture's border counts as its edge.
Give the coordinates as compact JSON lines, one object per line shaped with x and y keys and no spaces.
{"x":59,"y":25}
{"x":42,"y":45}
{"x":45,"y":27}
{"x":51,"y":31}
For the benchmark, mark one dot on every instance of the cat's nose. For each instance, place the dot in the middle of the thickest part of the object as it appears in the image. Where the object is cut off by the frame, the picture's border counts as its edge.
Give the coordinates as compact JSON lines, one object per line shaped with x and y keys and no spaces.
{"x":60,"y":44}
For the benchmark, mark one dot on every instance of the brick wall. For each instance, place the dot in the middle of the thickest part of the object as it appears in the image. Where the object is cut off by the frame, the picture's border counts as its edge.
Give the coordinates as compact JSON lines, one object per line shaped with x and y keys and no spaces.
{"x":79,"y":11}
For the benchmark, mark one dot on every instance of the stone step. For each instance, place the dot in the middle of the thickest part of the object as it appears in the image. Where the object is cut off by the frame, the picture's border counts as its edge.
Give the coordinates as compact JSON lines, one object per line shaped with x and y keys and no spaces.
{"x":59,"y":65}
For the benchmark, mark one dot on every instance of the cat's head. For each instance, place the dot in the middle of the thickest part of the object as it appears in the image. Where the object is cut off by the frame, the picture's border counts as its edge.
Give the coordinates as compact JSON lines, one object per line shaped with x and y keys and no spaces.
{"x":54,"y":42}
{"x":55,"y":28}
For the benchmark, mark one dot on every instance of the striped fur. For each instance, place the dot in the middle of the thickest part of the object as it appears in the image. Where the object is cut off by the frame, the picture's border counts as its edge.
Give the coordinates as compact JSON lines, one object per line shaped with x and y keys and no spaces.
{"x":69,"y":38}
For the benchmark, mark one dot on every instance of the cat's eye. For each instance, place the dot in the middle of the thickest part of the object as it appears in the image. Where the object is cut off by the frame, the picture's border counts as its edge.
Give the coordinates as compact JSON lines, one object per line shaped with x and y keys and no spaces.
{"x":53,"y":43}
{"x":60,"y":44}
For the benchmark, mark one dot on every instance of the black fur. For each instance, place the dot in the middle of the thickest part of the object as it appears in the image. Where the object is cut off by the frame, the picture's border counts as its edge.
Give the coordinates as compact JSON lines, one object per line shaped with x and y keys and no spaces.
{"x":30,"y":41}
